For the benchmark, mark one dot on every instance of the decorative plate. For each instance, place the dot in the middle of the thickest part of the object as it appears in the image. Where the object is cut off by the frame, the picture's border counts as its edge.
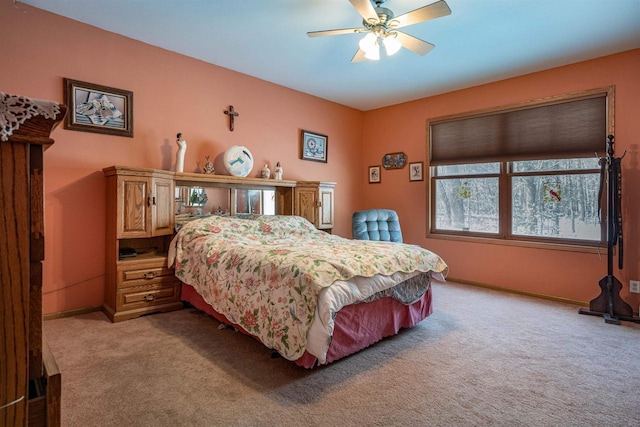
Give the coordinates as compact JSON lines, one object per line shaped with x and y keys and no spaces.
{"x":238,"y":160}
{"x":394,"y":161}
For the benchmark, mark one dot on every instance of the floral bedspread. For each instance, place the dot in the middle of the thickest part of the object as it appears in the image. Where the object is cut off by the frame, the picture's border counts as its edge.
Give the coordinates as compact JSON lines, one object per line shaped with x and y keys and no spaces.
{"x":264,"y":273}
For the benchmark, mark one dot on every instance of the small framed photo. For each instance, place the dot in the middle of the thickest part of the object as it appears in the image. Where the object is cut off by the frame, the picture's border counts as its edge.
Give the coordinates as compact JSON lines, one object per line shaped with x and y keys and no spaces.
{"x":416,"y":171}
{"x":374,"y":175}
{"x":96,"y":108}
{"x":314,"y":146}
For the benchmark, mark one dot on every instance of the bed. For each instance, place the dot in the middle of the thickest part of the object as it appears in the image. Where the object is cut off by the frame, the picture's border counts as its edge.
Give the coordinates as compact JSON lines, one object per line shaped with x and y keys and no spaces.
{"x":310,"y":296}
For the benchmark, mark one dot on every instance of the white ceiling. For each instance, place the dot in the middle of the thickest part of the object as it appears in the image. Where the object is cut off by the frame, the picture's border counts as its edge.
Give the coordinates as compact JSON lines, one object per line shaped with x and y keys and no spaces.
{"x":480,"y":42}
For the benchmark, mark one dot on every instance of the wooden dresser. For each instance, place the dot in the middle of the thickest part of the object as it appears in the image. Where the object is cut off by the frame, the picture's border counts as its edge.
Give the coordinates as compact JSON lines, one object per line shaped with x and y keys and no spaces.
{"x":140,"y":221}
{"x":30,"y":383}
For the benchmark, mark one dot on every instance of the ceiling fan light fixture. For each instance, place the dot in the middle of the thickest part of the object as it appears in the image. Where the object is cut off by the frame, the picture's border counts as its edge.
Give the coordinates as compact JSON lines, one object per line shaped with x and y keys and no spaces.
{"x":381,"y":24}
{"x":391,"y":43}
{"x":373,"y":53}
{"x":369,"y":42}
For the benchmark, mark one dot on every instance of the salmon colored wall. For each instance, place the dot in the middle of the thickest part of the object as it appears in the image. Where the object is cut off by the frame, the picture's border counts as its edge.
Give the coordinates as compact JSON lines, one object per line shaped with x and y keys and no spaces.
{"x":561,"y":274}
{"x":175,"y":93}
{"x":172,"y":93}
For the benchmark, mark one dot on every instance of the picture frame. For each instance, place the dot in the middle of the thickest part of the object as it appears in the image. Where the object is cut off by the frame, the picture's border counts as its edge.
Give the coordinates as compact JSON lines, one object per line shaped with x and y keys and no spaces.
{"x":314,"y":146}
{"x":416,"y":171}
{"x":99,"y":109}
{"x":375,"y":177}
{"x":394,"y":161}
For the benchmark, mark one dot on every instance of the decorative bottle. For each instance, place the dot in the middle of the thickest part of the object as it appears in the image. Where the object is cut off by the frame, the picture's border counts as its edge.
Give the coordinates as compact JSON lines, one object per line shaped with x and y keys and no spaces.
{"x":265,"y":172}
{"x":208,"y":167}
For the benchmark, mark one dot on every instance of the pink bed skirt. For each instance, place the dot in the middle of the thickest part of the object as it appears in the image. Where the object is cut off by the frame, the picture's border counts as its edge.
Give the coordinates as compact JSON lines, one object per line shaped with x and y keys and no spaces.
{"x":357,"y":326}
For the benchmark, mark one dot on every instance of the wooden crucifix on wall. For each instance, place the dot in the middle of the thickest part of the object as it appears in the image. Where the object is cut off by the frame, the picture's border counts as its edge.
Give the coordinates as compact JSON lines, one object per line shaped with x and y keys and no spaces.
{"x":232,"y":115}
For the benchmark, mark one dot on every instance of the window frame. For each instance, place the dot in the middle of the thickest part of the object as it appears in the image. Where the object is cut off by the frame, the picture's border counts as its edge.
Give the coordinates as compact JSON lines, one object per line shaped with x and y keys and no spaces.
{"x":505,"y":176}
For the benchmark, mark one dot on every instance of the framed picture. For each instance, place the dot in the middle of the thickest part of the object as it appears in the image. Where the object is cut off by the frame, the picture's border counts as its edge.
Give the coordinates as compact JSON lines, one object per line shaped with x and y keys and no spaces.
{"x":374,"y":175}
{"x":394,"y":161}
{"x":415,"y":171}
{"x":100,"y":109}
{"x":314,"y":146}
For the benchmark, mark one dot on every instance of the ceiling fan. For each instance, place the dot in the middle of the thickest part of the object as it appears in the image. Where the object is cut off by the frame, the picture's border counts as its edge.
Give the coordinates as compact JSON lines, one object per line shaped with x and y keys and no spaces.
{"x":381,"y":26}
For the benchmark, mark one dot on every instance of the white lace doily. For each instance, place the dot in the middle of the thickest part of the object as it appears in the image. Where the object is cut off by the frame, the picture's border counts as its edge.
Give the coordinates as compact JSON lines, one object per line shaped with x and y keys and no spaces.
{"x":15,"y":110}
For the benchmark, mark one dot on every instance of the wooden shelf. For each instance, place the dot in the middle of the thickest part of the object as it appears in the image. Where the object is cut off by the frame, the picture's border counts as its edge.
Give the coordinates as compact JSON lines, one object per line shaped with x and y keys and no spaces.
{"x":143,"y":257}
{"x":191,"y":179}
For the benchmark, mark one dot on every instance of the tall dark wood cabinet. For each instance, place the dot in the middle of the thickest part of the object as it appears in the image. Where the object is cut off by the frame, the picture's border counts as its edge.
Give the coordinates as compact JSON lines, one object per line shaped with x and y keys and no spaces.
{"x":30,"y":383}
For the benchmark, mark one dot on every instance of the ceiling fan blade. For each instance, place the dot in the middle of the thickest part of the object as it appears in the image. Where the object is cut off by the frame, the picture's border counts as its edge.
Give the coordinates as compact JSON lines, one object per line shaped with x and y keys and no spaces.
{"x":365,"y":9}
{"x":432,"y":11}
{"x":414,"y":44}
{"x":359,"y":56}
{"x":334,"y":32}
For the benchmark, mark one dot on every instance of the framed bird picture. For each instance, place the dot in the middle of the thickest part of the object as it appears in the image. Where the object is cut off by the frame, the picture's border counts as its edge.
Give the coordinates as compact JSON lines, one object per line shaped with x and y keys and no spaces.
{"x":96,"y":108}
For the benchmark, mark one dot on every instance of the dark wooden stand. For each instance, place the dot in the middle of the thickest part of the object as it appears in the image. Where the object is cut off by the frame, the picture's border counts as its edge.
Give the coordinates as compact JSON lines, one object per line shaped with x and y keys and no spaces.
{"x":30,"y":382}
{"x":609,"y":304}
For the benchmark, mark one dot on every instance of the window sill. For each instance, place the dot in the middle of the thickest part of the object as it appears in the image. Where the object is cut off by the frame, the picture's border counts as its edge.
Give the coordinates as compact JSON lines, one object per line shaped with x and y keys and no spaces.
{"x":522,"y":243}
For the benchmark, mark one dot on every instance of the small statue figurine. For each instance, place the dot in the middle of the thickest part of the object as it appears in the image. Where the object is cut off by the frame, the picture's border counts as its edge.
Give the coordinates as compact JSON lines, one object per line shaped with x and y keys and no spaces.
{"x":182,"y":148}
{"x":208,"y":167}
{"x":277,"y":172}
{"x":265,"y":172}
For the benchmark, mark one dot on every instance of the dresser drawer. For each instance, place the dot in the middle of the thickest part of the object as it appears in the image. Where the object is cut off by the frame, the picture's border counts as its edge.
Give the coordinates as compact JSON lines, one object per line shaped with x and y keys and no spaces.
{"x":143,"y":273}
{"x":137,"y":297}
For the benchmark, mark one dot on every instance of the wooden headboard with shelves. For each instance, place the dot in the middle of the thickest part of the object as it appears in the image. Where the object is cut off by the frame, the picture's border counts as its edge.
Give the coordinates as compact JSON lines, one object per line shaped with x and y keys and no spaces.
{"x":140,"y":223}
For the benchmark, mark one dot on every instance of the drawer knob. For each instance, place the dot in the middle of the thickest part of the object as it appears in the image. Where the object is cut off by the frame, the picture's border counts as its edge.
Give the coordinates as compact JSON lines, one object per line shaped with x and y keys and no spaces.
{"x":150,"y":275}
{"x":149,"y":297}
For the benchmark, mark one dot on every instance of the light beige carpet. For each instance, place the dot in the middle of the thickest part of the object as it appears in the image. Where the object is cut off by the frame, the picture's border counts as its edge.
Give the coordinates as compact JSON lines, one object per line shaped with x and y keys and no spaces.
{"x":484,"y":358}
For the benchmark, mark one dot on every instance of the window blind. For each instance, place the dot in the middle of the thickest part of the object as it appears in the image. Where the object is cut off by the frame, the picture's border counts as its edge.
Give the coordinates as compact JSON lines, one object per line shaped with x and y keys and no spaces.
{"x":566,"y":129}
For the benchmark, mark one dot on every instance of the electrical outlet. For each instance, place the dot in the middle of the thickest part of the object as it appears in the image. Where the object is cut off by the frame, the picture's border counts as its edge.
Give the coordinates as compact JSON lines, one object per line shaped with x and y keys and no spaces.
{"x":634,"y":286}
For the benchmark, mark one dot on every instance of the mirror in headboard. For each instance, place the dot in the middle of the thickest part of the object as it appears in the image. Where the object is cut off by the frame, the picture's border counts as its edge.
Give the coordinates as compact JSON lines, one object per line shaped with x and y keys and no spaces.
{"x":224,"y":201}
{"x":253,"y":201}
{"x":202,"y":200}
{"x":237,"y":195}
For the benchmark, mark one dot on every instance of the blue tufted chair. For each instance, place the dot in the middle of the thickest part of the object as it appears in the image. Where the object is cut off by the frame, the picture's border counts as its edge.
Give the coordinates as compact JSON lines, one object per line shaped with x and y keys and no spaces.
{"x":376,"y":224}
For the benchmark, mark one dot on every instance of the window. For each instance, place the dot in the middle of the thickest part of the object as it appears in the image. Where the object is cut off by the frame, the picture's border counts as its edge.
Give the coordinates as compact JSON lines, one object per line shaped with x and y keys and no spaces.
{"x":467,"y":197}
{"x":528,"y":172}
